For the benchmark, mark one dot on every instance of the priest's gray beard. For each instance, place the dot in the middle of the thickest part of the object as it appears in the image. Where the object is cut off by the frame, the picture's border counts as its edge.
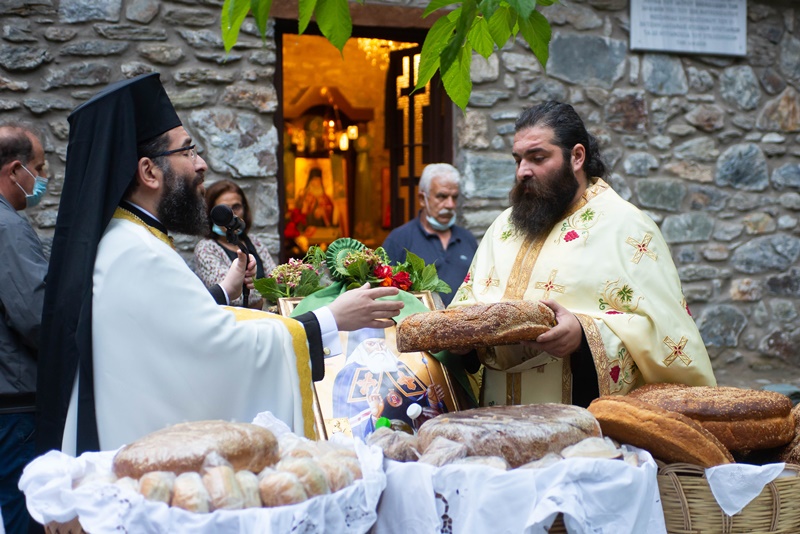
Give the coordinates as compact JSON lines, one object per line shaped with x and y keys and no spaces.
{"x":182,"y":209}
{"x":538,"y":204}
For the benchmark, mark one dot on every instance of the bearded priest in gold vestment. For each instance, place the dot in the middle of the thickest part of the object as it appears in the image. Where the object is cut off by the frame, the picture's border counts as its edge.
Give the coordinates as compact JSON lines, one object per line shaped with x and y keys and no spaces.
{"x":597,"y":261}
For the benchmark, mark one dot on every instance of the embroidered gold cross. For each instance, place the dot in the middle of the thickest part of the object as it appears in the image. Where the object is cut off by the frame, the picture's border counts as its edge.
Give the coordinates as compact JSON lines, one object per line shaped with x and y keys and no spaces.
{"x":549,"y":285}
{"x":677,"y":351}
{"x":641,"y":248}
{"x":489,"y":282}
{"x":405,"y":380}
{"x":366,"y":383}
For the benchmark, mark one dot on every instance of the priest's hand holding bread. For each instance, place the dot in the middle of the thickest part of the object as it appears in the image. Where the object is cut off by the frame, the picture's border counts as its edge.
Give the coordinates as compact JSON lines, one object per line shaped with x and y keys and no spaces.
{"x":564,"y":338}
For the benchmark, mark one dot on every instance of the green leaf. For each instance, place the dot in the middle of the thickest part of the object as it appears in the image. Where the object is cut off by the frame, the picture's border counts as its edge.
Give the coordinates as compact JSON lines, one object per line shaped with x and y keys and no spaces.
{"x":260,"y":10}
{"x":309,"y":283}
{"x":457,"y":81}
{"x":233,"y":14}
{"x":536,"y":31}
{"x":268,"y":288}
{"x":305,"y":10}
{"x":523,"y":7}
{"x":546,"y":2}
{"x":429,"y":277}
{"x":443,"y":287}
{"x":417,"y":264}
{"x":333,"y":19}
{"x":480,"y":38}
{"x":435,"y":5}
{"x":500,"y":25}
{"x":488,"y":7}
{"x":438,"y":37}
{"x":465,"y":20}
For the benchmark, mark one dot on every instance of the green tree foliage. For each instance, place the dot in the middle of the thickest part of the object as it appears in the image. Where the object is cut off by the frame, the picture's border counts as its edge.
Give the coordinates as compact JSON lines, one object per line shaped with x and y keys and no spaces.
{"x":479,"y":25}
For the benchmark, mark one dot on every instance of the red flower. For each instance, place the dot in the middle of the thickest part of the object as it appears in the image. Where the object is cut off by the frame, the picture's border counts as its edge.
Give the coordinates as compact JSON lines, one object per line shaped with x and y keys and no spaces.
{"x":291,"y":230}
{"x":615,"y":373}
{"x":571,"y":235}
{"x":387,"y":282}
{"x":613,"y":312}
{"x":687,"y":310}
{"x":466,"y":278}
{"x":382,"y":271}
{"x":402,"y":280}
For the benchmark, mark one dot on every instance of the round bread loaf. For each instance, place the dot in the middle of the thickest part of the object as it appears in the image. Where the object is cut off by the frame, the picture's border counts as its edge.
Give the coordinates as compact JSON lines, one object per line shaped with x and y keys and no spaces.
{"x":479,"y":325}
{"x":669,"y":436}
{"x":790,"y":453}
{"x":517,"y":433}
{"x":182,"y":448}
{"x":741,"y":419}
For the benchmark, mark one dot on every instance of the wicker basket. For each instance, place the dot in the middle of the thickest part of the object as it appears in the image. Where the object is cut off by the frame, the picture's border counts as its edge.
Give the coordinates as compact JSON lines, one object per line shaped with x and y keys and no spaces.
{"x":690,"y":507}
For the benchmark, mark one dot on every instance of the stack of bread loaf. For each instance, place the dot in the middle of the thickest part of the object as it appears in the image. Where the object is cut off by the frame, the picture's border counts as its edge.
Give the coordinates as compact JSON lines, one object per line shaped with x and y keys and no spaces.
{"x":701,"y":425}
{"x":211,"y":465}
{"x":504,"y":437}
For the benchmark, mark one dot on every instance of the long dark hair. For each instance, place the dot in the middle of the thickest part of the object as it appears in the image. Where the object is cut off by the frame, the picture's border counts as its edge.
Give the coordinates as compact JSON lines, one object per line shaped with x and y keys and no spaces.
{"x":568,"y":129}
{"x":216,"y":190}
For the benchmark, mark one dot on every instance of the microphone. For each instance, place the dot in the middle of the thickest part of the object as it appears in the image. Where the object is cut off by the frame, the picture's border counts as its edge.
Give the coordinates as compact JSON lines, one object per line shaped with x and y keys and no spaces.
{"x":222,"y":215}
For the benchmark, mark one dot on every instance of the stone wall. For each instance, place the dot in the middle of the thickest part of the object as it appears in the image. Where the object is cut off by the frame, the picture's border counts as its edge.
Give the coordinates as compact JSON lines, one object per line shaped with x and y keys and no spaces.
{"x":706,"y":145}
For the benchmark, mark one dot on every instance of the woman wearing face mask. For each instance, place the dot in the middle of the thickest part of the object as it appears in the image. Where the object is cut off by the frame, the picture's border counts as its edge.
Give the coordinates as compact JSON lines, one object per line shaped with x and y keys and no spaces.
{"x":213,"y":255}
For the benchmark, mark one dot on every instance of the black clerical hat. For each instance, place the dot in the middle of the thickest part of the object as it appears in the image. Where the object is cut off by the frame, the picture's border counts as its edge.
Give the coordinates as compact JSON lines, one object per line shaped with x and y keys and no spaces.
{"x":101,"y":162}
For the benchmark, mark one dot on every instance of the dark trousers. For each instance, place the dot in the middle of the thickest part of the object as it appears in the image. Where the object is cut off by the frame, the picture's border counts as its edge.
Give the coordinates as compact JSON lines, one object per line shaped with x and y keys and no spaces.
{"x":16,"y":450}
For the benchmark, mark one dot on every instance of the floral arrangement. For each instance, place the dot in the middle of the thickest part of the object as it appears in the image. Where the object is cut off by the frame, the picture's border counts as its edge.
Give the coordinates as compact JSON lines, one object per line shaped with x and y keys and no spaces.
{"x":352,"y":264}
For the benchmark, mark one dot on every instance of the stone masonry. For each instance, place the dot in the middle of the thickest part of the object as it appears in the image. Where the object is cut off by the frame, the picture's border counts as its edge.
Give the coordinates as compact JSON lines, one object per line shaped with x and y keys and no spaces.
{"x":706,"y":145}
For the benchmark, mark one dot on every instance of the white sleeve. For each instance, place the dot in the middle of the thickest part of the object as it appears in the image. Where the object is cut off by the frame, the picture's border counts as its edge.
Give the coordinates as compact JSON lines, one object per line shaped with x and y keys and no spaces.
{"x":331,"y":344}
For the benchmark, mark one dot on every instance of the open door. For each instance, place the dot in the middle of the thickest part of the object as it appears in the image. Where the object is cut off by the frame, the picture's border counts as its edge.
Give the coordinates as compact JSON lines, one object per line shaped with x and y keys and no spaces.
{"x":418,"y":130}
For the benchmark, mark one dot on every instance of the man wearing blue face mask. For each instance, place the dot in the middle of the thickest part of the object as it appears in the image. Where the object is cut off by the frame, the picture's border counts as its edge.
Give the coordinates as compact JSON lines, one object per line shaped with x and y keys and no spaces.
{"x":433,"y":234}
{"x":22,"y":270}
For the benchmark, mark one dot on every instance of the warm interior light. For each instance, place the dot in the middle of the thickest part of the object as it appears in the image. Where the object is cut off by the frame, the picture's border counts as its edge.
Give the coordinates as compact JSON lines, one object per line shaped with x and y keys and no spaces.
{"x":331,"y":123}
{"x":352,"y":132}
{"x":344,"y":142}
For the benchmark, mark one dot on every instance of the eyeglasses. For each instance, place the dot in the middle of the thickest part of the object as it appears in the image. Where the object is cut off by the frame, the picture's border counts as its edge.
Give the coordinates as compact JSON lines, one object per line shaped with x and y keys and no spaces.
{"x":190,"y":148}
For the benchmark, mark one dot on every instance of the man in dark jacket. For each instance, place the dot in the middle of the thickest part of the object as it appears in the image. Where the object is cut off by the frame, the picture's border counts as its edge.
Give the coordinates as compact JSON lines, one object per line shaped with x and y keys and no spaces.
{"x":22,"y":272}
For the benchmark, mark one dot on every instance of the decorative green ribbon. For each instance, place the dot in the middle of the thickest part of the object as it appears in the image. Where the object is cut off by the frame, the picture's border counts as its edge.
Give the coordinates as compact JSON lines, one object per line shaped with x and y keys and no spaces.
{"x":412,"y":304}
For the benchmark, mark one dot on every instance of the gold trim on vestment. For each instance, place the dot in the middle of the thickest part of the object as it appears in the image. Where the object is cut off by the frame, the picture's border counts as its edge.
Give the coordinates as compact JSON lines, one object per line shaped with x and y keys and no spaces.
{"x":302,"y":360}
{"x":598,"y":349}
{"x":513,"y":389}
{"x":520,"y":275}
{"x":122,"y":213}
{"x":566,"y":379}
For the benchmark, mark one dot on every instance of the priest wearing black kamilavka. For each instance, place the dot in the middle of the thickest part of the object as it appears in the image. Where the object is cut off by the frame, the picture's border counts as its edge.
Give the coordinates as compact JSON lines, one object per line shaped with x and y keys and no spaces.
{"x":132,"y":340}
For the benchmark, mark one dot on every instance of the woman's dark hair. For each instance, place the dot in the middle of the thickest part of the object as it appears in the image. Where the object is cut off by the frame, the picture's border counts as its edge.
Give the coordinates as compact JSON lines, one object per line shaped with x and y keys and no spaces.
{"x":216,"y":190}
{"x":568,"y":130}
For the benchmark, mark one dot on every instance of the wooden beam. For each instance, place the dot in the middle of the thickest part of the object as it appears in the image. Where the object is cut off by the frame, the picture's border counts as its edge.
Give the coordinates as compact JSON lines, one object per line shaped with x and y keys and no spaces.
{"x":375,"y":15}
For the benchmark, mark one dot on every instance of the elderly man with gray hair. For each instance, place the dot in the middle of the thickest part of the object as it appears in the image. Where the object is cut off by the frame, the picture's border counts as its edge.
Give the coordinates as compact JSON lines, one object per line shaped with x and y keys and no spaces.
{"x":433,"y":234}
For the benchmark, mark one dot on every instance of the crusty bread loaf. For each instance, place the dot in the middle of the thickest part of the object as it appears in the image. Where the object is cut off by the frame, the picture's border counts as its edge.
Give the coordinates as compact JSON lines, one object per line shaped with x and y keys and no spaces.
{"x":184,"y":447}
{"x":669,"y":436}
{"x":741,"y":419}
{"x":791,"y":451}
{"x":478,"y":325}
{"x":517,"y":433}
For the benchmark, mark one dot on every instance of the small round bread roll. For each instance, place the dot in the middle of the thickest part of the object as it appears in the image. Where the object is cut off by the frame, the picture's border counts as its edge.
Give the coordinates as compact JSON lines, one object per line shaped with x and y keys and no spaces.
{"x":128,"y":484}
{"x":338,"y":474}
{"x":190,"y":494}
{"x":248,"y":482}
{"x":223,"y":488}
{"x":347,"y":458}
{"x":157,"y":486}
{"x":308,"y":472}
{"x":278,"y":488}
